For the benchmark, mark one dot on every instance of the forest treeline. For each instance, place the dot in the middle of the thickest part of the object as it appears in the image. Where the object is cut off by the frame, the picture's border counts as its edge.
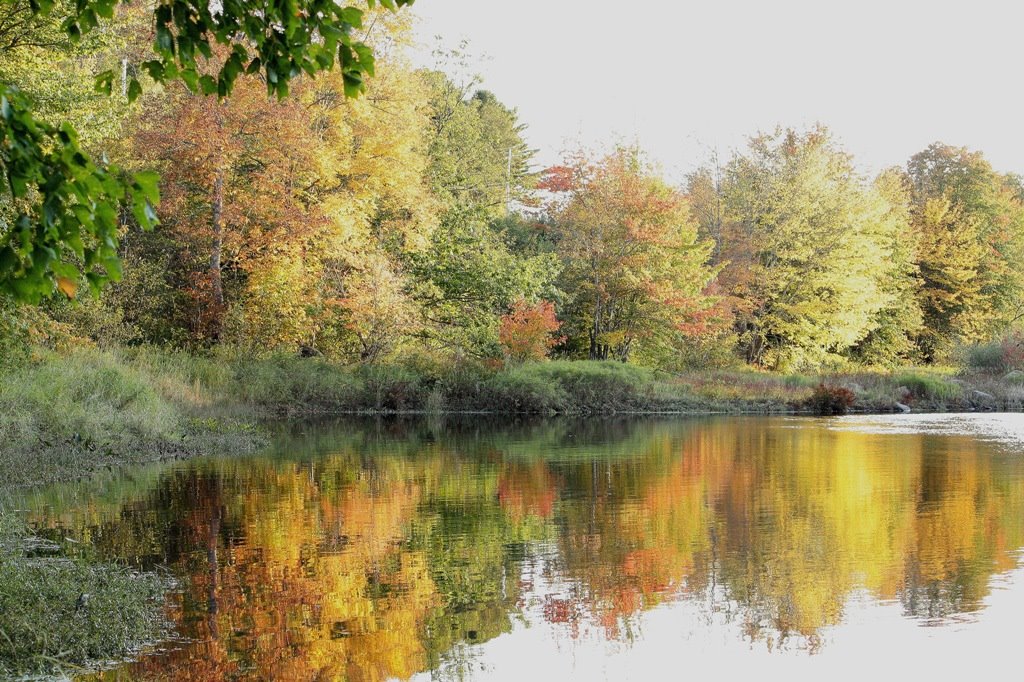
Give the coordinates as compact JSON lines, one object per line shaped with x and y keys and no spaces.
{"x":412,"y":220}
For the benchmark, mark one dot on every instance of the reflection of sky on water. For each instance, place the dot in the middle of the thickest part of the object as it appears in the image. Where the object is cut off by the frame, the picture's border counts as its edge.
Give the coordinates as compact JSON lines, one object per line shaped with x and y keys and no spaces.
{"x":681,"y":640}
{"x":644,"y":549}
{"x":1006,"y":428}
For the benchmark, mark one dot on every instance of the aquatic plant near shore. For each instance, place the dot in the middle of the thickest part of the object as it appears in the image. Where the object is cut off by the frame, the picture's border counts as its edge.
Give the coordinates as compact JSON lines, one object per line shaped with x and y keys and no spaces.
{"x":59,"y":613}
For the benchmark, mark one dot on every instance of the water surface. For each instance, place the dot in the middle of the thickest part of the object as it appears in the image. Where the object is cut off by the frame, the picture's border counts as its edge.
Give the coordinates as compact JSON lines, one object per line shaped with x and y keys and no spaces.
{"x":622,"y":549}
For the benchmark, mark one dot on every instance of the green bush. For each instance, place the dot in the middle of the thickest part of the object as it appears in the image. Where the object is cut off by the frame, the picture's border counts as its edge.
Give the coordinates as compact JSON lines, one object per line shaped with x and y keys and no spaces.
{"x":1000,"y":355}
{"x":587,"y":386}
{"x":468,"y":386}
{"x":286,"y":384}
{"x":391,"y":388}
{"x":523,"y":391}
{"x":928,"y":386}
{"x":800,"y":381}
{"x":986,"y":357}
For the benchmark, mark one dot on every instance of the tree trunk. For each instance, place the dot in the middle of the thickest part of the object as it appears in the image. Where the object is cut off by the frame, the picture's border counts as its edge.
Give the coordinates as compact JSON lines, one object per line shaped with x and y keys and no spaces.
{"x":216,"y":283}
{"x":595,"y":332}
{"x":624,"y":349}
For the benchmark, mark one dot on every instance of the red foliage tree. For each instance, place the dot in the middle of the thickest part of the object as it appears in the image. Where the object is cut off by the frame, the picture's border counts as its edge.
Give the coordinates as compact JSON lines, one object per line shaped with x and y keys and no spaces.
{"x":528,"y":331}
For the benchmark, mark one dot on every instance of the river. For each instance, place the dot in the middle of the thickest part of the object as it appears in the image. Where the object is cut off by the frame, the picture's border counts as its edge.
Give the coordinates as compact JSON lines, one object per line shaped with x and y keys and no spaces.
{"x":769,"y":547}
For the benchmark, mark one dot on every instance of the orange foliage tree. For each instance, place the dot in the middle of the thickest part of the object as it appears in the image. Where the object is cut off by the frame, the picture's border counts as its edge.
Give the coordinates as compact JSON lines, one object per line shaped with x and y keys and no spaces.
{"x":527,"y":332}
{"x":634,"y":267}
{"x":236,"y":181}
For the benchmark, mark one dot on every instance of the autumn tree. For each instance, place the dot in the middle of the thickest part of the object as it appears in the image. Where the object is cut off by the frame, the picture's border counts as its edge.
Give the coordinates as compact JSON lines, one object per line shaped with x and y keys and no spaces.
{"x":527,"y":332}
{"x":809,"y":247}
{"x":66,"y":204}
{"x":377,"y":313}
{"x":380,"y":212}
{"x":971,"y":224}
{"x":236,"y":187}
{"x":292,"y":218}
{"x":469,"y":276}
{"x":704,"y":193}
{"x":633,"y":267}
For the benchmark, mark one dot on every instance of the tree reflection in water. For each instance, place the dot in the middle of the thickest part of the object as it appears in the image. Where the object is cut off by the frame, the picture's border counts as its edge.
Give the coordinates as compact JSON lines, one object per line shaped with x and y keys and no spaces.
{"x":376,"y":550}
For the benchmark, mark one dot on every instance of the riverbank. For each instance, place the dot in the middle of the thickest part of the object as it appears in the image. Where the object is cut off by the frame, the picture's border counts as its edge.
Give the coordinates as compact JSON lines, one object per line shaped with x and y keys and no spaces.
{"x":68,"y":416}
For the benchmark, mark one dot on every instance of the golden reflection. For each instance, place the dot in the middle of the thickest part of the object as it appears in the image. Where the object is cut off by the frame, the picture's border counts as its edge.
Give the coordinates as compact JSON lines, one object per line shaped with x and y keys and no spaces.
{"x":380,"y":558}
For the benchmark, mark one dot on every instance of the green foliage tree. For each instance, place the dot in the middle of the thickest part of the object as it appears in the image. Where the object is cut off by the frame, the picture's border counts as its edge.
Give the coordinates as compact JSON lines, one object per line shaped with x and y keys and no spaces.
{"x":470,"y":275}
{"x":479,"y":160}
{"x":892,"y":339}
{"x":809,"y":246}
{"x":64,"y":206}
{"x":476,"y":265}
{"x":971,"y":224}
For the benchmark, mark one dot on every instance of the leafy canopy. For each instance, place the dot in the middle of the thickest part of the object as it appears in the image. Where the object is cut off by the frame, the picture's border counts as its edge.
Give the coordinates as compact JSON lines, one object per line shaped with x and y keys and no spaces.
{"x":65,"y":218}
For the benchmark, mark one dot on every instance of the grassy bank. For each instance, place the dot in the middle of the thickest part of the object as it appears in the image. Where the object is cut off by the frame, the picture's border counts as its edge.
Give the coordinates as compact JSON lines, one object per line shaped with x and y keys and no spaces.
{"x":66,"y":416}
{"x":290,"y":386}
{"x":58,"y":614}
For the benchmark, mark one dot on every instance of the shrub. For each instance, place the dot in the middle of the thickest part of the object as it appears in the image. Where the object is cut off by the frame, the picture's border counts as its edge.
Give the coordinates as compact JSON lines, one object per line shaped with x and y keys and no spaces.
{"x":463,"y":384}
{"x":927,"y":386}
{"x":1012,"y":346}
{"x":392,"y":388}
{"x":798,"y":381}
{"x":524,"y":392}
{"x":1001,"y":355}
{"x":829,"y":399}
{"x":285,"y":383}
{"x":589,"y":386}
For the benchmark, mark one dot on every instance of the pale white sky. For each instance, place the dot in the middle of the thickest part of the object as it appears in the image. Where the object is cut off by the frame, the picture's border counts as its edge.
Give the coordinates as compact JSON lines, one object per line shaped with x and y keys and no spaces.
{"x":683,"y":78}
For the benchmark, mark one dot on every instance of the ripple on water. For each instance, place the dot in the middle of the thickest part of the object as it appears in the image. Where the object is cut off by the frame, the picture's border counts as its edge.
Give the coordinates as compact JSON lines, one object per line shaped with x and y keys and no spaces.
{"x":1004,"y":427}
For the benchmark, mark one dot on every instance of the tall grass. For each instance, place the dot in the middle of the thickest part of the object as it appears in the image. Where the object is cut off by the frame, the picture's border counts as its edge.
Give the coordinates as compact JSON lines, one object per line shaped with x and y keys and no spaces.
{"x":89,"y":396}
{"x":927,"y":386}
{"x":749,"y":390}
{"x":69,"y":415}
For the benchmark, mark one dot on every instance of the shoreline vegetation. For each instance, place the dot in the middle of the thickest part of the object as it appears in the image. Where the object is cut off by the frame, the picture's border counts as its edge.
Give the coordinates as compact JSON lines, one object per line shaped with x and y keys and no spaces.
{"x":59,"y":613}
{"x":67,"y":416}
